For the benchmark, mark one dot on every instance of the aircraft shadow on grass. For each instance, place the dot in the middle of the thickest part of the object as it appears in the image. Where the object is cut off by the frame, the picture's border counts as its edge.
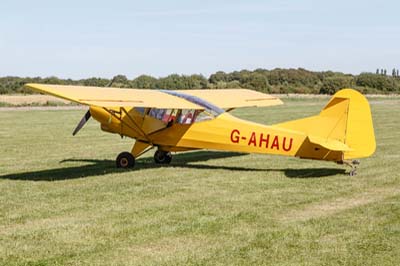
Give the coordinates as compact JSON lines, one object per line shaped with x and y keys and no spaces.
{"x":183,"y":160}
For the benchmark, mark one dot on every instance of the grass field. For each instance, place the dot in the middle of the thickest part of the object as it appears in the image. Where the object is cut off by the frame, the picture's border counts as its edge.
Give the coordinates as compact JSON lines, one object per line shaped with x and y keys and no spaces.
{"x":34,"y":99}
{"x":62,"y":202}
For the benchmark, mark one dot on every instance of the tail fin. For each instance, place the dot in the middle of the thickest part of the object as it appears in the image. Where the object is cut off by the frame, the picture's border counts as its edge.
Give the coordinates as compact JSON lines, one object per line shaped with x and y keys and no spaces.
{"x":345,"y":119}
{"x":360,"y":135}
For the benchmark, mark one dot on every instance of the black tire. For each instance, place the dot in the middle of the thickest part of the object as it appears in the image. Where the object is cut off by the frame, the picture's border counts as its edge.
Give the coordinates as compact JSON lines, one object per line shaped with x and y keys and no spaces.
{"x":162,"y":157}
{"x":125,"y":160}
{"x":353,"y":172}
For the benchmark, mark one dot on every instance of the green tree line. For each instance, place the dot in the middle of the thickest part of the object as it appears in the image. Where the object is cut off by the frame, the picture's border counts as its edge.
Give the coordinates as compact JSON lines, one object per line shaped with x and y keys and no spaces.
{"x":270,"y":81}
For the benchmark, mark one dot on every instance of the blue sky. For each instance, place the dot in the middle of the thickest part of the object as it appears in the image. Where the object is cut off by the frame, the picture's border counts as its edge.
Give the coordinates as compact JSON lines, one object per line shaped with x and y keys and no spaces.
{"x":80,"y":39}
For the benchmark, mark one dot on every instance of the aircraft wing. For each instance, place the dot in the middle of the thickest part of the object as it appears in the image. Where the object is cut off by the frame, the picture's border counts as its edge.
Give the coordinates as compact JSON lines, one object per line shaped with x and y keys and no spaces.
{"x":118,"y":97}
{"x":235,"y":98}
{"x":115,"y":97}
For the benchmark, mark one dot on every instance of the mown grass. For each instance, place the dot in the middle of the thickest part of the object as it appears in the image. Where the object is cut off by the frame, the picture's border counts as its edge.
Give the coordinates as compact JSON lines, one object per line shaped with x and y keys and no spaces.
{"x":62,"y":202}
{"x":35,"y":104}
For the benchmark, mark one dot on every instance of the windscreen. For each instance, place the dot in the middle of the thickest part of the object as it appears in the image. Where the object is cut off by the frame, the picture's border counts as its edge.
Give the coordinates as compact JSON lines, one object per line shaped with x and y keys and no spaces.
{"x":209,"y":107}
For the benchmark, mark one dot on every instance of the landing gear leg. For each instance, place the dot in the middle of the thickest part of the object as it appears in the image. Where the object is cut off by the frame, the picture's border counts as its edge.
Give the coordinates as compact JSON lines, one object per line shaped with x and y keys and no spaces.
{"x":162,"y":157}
{"x":125,"y":160}
{"x":354,"y":165}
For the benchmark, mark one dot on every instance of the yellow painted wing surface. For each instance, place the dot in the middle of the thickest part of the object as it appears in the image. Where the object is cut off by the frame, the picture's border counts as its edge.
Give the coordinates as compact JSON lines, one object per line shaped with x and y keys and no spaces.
{"x":234,"y":98}
{"x":115,"y":97}
{"x":118,"y":97}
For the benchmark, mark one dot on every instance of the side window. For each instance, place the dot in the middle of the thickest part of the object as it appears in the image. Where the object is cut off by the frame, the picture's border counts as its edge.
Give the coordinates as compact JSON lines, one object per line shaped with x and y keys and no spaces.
{"x":140,"y":109}
{"x":186,"y":117}
{"x":165,"y":115}
{"x":169,"y":116}
{"x":202,"y":116}
{"x":157,"y":113}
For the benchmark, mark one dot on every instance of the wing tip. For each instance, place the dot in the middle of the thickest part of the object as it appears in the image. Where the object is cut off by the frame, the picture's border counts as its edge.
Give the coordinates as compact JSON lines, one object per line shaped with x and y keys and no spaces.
{"x":29,"y":85}
{"x":34,"y":87}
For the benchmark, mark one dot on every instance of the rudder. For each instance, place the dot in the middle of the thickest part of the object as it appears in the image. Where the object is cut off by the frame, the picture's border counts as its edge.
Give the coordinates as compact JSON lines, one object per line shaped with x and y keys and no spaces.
{"x":360,"y":136}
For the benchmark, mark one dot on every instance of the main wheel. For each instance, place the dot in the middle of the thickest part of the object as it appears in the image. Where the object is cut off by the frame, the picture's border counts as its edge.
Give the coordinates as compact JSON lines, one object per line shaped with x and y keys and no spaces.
{"x":125,"y":160}
{"x":162,"y":157}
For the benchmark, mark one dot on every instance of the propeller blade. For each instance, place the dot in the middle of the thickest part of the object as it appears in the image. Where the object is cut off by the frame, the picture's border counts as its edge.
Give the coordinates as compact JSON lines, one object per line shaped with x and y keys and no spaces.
{"x":83,"y":121}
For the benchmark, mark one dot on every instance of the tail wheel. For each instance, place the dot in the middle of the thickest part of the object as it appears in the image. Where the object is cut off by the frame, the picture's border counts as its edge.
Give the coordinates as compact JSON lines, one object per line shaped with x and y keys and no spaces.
{"x":162,"y":157}
{"x":125,"y":160}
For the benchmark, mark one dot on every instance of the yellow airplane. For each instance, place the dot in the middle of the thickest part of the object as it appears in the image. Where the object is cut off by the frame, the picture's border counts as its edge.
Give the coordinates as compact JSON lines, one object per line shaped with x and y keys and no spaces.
{"x":175,"y":121}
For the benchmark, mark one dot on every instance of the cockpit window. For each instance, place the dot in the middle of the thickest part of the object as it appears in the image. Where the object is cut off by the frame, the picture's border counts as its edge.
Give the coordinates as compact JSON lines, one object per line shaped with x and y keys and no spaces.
{"x":186,"y":117}
{"x":140,"y":109}
{"x":169,"y":116}
{"x":202,"y":116}
{"x":165,"y":115}
{"x":209,"y":107}
{"x":157,"y":113}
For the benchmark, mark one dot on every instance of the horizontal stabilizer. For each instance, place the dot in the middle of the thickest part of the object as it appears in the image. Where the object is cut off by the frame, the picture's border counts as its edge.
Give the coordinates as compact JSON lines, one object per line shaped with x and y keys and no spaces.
{"x":329,"y":144}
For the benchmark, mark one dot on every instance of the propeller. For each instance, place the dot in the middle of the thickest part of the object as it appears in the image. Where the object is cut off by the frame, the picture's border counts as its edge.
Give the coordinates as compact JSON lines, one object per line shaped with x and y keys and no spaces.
{"x":83,"y":121}
{"x":86,"y":117}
